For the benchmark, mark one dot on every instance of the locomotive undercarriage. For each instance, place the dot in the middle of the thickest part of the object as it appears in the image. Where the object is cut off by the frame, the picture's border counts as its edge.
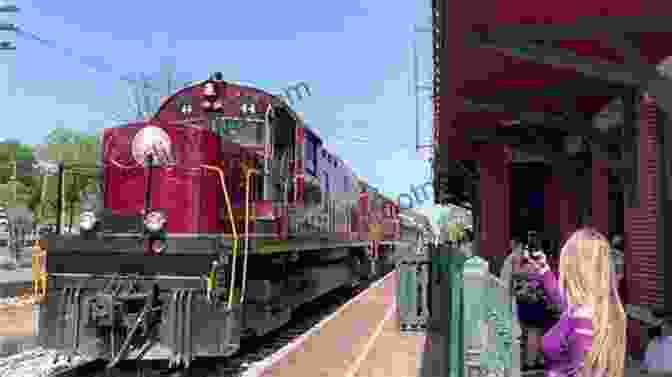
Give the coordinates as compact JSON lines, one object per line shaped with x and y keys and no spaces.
{"x":134,"y":317}
{"x":163,"y":315}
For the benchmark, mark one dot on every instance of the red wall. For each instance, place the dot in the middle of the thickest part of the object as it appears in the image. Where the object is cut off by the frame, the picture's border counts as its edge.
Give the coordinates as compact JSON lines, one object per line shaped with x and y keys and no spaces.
{"x":495,"y":201}
{"x":644,"y":285}
{"x":551,"y":203}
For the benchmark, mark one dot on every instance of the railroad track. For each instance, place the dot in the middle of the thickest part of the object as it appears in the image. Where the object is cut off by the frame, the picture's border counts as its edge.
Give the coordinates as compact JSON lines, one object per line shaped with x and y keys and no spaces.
{"x":49,"y":363}
{"x":39,"y":362}
{"x":17,"y":301}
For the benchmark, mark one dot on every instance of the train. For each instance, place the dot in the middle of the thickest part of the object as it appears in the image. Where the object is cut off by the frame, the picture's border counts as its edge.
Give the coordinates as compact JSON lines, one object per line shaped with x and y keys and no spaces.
{"x":214,"y":220}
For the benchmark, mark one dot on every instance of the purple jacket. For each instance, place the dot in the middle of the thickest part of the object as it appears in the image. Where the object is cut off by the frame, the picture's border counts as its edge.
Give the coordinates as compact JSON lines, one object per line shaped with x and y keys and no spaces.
{"x":567,"y":342}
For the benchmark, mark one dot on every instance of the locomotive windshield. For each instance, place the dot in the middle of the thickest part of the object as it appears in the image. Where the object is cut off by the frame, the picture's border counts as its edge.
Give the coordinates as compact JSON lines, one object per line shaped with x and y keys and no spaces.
{"x":238,"y":131}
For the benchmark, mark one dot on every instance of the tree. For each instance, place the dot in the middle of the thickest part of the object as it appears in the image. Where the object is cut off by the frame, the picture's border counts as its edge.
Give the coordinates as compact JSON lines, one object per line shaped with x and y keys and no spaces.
{"x":452,"y":222}
{"x":26,"y":186}
{"x":456,"y":232}
{"x":77,"y":150}
{"x":67,"y":136}
{"x":8,"y":151}
{"x":147,"y":91}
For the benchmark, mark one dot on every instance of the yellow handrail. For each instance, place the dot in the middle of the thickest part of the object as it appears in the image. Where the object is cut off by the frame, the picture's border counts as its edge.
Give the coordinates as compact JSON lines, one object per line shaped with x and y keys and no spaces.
{"x":248,"y":177}
{"x":39,"y":273}
{"x":222,"y":182}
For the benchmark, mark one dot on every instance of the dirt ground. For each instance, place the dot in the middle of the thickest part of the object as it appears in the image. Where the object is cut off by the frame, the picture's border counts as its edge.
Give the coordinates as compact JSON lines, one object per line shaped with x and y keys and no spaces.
{"x":16,"y":320}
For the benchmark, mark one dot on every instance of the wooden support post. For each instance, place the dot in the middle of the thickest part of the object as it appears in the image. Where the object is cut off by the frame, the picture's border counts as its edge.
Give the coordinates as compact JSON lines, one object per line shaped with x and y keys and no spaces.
{"x":630,"y":172}
{"x":474,"y":183}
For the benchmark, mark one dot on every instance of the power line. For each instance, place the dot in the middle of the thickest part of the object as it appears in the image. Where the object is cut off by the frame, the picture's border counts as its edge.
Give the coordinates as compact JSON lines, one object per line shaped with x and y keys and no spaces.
{"x":8,"y":45}
{"x":97,"y":63}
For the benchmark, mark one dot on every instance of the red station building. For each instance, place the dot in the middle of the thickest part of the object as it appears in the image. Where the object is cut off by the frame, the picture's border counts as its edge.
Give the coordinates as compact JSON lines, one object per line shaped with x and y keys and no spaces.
{"x":550,"y":115}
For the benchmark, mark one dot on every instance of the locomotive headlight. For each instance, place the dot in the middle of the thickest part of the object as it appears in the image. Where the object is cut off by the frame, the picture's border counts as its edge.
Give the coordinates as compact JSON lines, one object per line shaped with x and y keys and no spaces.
{"x":87,"y":220}
{"x":158,"y":246}
{"x":155,"y":221}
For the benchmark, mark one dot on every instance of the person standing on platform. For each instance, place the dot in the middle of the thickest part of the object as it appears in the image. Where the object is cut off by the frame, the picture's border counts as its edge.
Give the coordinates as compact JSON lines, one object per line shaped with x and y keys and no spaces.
{"x":515,"y":254}
{"x":531,"y":306}
{"x":589,"y":339}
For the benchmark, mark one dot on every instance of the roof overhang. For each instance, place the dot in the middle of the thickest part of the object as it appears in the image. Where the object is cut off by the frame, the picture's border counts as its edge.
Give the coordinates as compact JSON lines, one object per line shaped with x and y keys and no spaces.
{"x":543,"y":67}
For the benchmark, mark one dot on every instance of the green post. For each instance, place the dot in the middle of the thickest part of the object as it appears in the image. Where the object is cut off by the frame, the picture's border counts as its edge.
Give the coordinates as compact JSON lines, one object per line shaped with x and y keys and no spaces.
{"x":448,"y":263}
{"x":489,"y":321}
{"x":475,"y":279}
{"x":412,"y":292}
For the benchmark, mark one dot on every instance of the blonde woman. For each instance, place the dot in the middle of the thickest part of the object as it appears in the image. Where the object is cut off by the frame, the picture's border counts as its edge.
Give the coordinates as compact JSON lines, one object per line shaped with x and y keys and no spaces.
{"x":589,"y":338}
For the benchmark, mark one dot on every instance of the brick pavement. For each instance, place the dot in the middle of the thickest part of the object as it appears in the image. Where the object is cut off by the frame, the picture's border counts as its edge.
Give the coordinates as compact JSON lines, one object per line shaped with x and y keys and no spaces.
{"x":391,"y":354}
{"x":336,"y":349}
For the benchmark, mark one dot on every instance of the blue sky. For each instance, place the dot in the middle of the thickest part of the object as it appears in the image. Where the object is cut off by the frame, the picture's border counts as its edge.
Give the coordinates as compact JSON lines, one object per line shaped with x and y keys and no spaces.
{"x":356,"y":57}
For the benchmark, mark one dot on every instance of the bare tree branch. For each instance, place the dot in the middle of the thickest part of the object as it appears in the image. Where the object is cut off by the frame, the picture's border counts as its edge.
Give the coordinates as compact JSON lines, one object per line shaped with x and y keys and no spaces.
{"x":146,"y":91}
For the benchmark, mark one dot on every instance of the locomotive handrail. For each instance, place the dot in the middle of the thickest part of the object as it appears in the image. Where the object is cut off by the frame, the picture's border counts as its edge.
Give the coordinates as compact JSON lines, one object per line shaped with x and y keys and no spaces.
{"x":122,"y":166}
{"x":248,"y":176}
{"x":268,"y":146}
{"x":222,"y":182}
{"x":39,"y":269}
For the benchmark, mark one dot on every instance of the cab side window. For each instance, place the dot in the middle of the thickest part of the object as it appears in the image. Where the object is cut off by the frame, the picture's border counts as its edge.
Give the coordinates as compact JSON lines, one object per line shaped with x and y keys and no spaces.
{"x":311,"y":155}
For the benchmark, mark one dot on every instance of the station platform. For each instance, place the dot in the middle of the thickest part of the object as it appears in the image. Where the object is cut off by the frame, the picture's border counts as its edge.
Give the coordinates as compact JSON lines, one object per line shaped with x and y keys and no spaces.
{"x":361,"y":339}
{"x":16,"y":282}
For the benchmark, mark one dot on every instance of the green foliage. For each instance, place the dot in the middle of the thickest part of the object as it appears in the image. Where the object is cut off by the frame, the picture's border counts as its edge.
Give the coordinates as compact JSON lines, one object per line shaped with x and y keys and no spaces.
{"x":63,"y":135}
{"x":444,"y":219}
{"x":456,"y":231}
{"x":24,"y":152}
{"x":40,"y":194}
{"x":10,"y":152}
{"x":78,"y":152}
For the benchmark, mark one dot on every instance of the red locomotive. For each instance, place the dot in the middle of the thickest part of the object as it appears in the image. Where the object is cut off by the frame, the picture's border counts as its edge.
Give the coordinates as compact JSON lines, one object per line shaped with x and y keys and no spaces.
{"x":216,"y":219}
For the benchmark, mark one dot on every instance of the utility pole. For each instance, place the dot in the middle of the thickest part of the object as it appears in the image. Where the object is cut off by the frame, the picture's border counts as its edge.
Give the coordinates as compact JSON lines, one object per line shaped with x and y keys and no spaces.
{"x":418,"y":87}
{"x":8,"y":26}
{"x":14,"y":181}
{"x":59,"y":204}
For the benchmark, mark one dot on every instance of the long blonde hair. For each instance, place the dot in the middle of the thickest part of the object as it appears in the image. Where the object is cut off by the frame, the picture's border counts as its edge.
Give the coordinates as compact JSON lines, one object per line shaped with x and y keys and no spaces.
{"x":586,"y":277}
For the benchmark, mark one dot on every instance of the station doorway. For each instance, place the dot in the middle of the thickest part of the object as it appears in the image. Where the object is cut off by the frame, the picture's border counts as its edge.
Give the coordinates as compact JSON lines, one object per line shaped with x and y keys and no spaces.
{"x":527,"y":198}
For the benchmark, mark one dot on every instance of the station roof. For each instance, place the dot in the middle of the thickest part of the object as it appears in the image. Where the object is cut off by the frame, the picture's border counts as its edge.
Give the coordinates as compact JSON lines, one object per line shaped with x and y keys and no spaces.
{"x":551,"y":64}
